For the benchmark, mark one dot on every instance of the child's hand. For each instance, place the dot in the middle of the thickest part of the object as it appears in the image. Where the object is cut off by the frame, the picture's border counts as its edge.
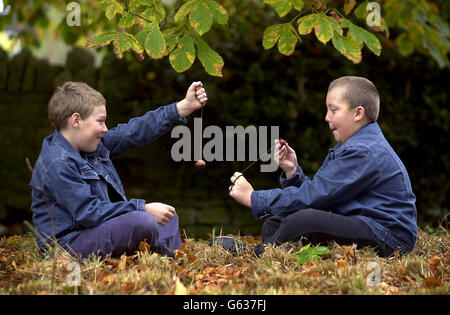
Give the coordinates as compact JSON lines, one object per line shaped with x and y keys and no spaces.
{"x":161,"y":212}
{"x":285,"y":158}
{"x":241,"y":191}
{"x":195,"y":99}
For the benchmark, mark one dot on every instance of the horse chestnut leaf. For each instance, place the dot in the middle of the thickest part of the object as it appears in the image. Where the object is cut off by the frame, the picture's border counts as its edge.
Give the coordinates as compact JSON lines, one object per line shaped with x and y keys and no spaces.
{"x":200,"y":164}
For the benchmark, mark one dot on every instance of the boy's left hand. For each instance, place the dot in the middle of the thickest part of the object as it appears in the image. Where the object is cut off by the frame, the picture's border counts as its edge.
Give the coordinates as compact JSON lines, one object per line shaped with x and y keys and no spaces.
{"x":195,"y":99}
{"x":241,"y":191}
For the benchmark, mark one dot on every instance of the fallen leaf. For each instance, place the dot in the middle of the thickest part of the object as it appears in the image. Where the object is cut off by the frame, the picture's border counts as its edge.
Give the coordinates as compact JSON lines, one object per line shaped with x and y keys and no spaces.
{"x":123,"y":262}
{"x":109,"y":279}
{"x":144,"y":246}
{"x":432,"y":282}
{"x":434,"y":261}
{"x":341,"y":263}
{"x":180,"y":289}
{"x":128,"y":287}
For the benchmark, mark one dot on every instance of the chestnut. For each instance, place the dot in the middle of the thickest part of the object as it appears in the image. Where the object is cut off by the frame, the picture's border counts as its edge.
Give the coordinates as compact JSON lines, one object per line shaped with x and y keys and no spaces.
{"x":200,"y":164}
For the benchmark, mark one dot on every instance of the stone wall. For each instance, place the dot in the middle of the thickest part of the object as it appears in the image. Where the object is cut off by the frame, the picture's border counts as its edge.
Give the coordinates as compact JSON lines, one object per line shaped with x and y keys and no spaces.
{"x":26,"y":85}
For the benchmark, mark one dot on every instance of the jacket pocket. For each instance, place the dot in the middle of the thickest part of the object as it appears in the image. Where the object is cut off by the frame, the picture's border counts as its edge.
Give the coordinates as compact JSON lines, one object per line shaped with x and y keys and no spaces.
{"x":98,"y":187}
{"x":88,"y":173}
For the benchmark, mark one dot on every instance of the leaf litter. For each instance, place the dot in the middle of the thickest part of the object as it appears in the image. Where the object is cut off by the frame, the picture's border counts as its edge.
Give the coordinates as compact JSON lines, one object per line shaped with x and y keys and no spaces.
{"x":203,"y":269}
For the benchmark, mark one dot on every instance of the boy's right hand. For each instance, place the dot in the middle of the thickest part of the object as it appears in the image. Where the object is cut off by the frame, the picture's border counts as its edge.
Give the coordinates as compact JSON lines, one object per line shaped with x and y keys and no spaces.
{"x":285,"y":158}
{"x":160,"y":211}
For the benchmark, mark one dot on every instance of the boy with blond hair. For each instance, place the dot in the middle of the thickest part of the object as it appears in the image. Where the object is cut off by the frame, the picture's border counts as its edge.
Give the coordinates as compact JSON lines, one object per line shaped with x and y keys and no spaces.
{"x":361,"y":194}
{"x":78,"y":198}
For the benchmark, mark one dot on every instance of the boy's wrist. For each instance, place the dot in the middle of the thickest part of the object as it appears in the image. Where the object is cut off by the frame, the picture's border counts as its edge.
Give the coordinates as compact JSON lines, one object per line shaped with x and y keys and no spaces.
{"x":183,"y":108}
{"x":290,"y":172}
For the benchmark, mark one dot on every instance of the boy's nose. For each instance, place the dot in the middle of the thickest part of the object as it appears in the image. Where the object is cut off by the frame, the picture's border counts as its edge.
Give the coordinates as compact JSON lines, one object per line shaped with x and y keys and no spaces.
{"x":105,"y":129}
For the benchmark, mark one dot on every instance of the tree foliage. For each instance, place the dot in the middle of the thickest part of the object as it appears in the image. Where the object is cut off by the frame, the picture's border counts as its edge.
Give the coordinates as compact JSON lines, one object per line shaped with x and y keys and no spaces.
{"x":178,"y":29}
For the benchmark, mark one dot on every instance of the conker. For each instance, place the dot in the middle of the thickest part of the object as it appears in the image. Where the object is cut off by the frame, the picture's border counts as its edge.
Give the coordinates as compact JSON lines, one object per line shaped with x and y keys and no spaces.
{"x":282,"y":143}
{"x":200,"y":164}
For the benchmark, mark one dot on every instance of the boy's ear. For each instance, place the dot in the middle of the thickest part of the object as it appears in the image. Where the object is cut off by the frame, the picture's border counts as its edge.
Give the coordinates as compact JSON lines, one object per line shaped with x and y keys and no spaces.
{"x":360,"y":113}
{"x":74,"y":120}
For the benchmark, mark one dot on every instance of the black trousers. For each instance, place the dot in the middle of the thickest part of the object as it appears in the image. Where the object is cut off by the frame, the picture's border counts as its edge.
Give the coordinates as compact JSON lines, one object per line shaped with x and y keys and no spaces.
{"x":321,"y":227}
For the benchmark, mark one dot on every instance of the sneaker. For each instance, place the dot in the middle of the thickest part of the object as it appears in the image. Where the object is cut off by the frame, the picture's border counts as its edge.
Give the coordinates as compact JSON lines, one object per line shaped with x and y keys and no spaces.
{"x":258,"y":250}
{"x":163,"y":251}
{"x":231,"y":244}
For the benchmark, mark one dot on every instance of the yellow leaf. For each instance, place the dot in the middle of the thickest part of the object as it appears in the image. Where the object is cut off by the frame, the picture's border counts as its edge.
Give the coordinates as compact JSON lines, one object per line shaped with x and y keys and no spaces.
{"x":123,"y":262}
{"x":144,"y":246}
{"x":180,"y":289}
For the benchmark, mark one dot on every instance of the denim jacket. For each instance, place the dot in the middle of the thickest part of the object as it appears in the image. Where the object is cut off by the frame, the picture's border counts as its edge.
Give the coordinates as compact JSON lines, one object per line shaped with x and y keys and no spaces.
{"x":362,"y":177}
{"x":71,"y":191}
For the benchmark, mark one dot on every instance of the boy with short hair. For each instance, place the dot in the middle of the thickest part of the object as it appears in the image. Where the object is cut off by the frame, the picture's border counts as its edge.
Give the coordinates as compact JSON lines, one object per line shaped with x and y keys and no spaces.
{"x":77,"y":196}
{"x":361,"y":194}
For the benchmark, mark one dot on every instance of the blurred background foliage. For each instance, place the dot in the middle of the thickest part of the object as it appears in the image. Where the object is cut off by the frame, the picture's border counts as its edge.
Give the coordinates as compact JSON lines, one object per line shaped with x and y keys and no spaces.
{"x":258,"y":87}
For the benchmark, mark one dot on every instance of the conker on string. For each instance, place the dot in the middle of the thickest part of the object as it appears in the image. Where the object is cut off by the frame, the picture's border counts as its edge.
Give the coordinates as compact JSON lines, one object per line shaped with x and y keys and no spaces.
{"x":200,"y":164}
{"x":282,"y":143}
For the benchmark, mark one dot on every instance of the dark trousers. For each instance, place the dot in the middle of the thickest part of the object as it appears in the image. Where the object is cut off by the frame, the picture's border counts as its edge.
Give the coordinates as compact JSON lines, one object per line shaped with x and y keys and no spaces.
{"x":321,"y":227}
{"x":123,"y":234}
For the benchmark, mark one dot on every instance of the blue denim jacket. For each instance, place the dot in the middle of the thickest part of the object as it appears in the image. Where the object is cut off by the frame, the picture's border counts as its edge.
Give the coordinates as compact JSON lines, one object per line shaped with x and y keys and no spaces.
{"x":362,"y":177}
{"x":70,"y":190}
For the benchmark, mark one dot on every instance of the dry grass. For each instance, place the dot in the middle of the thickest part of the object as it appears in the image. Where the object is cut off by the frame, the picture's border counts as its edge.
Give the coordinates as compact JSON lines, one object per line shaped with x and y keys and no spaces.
{"x":202,"y":269}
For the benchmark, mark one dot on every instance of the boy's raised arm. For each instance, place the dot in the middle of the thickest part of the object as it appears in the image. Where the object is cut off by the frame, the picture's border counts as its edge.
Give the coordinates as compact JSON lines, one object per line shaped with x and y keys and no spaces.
{"x":155,"y":123}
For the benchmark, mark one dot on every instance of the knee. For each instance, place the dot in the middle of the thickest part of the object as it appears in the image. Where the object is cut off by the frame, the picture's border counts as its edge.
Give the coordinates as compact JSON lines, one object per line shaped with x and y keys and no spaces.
{"x":143,"y":225}
{"x":303,"y":220}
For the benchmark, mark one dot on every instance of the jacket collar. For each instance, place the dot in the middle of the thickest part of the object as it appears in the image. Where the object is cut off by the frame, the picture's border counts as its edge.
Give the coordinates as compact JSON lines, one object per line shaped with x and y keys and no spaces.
{"x":58,"y":139}
{"x":366,"y":135}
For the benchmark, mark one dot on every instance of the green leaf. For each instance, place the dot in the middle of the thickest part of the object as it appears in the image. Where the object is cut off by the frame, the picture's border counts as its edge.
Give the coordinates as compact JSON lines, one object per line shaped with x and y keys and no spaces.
{"x":211,"y":60}
{"x":298,"y":4}
{"x":112,"y":9}
{"x":337,"y":27}
{"x":184,"y":10}
{"x":201,"y":18}
{"x":272,"y":2}
{"x":182,"y":57}
{"x":372,"y":42}
{"x":171,"y":39}
{"x":283,"y":7}
{"x":219,"y":12}
{"x":124,"y":42}
{"x":306,"y":23}
{"x":155,"y":44}
{"x":121,"y":45}
{"x":323,"y":28}
{"x":101,"y":40}
{"x":308,"y":253}
{"x":357,"y":34}
{"x":347,"y":47}
{"x":288,"y":40}
{"x":271,"y":35}
{"x":127,"y":20}
{"x":153,"y":10}
{"x":142,"y":35}
{"x":93,"y":16}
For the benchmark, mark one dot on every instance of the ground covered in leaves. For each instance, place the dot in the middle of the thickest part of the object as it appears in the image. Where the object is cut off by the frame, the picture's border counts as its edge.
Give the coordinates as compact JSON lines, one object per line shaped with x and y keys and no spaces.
{"x":203,"y":269}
